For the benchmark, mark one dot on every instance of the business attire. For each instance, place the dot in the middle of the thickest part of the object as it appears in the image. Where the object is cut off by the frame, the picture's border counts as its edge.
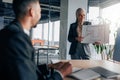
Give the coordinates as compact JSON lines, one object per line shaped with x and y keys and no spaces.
{"x":77,"y":50}
{"x":17,"y":56}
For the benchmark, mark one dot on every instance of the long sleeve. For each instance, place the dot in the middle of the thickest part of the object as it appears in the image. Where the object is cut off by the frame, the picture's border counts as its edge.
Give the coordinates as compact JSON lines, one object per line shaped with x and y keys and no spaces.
{"x":23,"y":66}
{"x":18,"y":52}
{"x":49,"y":74}
{"x":16,"y":56}
{"x":71,"y":35}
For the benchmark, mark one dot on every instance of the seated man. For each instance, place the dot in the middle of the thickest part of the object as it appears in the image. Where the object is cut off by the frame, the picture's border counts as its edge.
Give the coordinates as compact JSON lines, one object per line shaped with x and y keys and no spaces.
{"x":16,"y":50}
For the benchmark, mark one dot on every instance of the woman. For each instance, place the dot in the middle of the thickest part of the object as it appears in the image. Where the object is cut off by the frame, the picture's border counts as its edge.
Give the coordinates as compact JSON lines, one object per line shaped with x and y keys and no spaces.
{"x":78,"y":50}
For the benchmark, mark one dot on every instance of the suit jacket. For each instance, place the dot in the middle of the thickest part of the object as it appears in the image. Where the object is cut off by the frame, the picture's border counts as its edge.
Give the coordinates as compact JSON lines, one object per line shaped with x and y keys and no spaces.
{"x":71,"y":38}
{"x":17,"y":54}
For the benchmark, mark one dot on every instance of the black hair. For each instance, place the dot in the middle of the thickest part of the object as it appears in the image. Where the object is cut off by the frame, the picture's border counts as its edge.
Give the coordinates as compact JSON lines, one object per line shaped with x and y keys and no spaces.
{"x":20,"y":7}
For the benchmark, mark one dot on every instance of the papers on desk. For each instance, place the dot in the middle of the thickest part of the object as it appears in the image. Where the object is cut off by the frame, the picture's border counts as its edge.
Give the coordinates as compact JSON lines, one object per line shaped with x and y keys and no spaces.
{"x":84,"y":74}
{"x":95,"y":33}
{"x":92,"y":73}
{"x":76,"y":69}
{"x":104,"y":72}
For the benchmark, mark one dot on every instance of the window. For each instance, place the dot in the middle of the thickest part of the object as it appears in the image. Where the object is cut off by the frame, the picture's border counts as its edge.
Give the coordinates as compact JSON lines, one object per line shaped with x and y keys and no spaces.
{"x":51,"y":33}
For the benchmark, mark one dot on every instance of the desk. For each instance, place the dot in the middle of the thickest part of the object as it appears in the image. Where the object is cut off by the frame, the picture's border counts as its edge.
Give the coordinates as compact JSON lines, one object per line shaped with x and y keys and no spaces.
{"x":115,"y":67}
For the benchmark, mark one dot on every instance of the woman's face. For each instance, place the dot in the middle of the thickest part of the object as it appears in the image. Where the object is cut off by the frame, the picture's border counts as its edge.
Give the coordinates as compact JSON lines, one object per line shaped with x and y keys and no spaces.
{"x":81,"y":17}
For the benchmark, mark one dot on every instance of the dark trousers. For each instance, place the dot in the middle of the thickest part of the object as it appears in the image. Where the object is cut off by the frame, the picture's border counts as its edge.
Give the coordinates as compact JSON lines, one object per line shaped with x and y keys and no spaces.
{"x":80,"y":53}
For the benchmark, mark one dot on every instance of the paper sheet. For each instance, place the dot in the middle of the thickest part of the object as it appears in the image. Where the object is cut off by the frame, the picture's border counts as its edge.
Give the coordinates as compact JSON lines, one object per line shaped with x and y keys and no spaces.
{"x":95,"y":33}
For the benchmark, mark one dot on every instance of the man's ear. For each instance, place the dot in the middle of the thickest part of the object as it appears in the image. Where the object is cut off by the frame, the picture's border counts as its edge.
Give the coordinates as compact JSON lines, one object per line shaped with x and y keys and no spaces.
{"x":31,"y":12}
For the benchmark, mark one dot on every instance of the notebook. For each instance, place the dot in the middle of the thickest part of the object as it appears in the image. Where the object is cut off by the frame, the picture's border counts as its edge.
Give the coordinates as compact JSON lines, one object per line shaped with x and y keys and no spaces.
{"x":74,"y":69}
{"x":84,"y":74}
{"x":104,"y":72}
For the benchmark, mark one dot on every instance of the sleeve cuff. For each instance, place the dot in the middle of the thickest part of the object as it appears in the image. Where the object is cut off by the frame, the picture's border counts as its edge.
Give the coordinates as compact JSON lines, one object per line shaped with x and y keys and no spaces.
{"x":60,"y":73}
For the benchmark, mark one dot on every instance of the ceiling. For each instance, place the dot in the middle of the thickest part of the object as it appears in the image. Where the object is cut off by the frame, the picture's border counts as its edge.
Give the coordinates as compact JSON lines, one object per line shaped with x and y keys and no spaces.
{"x":51,"y":7}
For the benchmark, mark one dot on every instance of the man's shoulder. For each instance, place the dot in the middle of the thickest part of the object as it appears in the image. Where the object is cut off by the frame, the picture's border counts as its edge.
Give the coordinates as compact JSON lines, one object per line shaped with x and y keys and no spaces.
{"x":13,"y":27}
{"x":11,"y":30}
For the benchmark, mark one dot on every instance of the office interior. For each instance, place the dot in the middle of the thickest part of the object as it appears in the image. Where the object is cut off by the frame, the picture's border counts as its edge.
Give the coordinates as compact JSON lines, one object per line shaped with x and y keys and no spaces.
{"x":49,"y":38}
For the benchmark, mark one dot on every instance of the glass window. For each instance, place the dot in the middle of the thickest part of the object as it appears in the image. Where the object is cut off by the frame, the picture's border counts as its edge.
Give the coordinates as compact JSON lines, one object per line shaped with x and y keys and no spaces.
{"x":112,"y":15}
{"x":51,"y":33}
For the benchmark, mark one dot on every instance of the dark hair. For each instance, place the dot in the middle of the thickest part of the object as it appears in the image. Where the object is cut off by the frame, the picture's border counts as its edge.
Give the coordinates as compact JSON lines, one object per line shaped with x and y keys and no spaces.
{"x":20,"y":7}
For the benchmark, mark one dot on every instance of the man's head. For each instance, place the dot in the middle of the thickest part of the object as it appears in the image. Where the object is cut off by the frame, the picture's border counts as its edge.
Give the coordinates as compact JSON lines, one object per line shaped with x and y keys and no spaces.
{"x":29,"y":9}
{"x":80,"y":15}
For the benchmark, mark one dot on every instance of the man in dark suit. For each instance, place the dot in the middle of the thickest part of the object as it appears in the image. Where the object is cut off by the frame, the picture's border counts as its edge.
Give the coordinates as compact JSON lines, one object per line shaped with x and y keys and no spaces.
{"x":16,"y":50}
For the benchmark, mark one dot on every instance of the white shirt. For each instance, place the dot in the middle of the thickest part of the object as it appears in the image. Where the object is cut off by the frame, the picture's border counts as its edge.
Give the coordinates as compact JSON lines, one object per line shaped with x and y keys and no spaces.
{"x":26,"y":31}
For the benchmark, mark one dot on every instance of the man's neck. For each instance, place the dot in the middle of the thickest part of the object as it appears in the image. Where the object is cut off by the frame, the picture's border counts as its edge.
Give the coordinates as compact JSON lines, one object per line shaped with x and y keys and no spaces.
{"x":25,"y":24}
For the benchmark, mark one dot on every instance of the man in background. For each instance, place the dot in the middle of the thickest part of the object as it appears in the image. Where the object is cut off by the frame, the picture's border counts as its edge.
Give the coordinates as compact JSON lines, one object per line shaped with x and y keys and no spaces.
{"x":16,"y":50}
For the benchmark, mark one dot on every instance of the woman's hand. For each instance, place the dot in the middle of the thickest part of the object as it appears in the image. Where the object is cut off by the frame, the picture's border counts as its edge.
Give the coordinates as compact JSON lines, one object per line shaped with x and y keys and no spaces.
{"x":79,"y":39}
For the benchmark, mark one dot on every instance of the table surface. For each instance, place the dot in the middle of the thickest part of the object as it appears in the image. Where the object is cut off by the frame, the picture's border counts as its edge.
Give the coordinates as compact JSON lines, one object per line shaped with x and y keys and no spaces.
{"x":110,"y":65}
